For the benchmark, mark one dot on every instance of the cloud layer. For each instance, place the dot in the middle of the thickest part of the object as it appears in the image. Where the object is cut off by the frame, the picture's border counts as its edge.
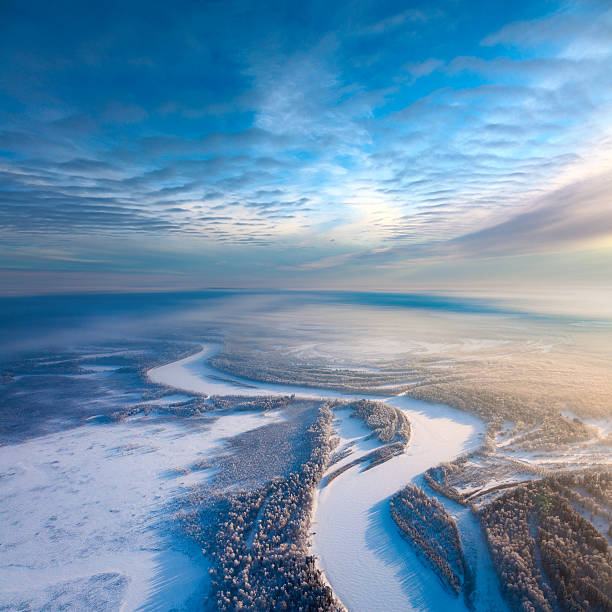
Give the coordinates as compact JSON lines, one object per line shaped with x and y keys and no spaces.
{"x":293,"y":144}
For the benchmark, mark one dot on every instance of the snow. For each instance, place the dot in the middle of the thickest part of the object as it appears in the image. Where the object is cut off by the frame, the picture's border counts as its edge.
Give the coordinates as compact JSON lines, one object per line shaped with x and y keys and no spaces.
{"x":86,"y":513}
{"x":367,"y":563}
{"x":92,"y":367}
{"x":354,"y":435}
{"x":602,"y":425}
{"x":194,"y":375}
{"x":579,"y":455}
{"x":487,"y":593}
{"x":601,"y":523}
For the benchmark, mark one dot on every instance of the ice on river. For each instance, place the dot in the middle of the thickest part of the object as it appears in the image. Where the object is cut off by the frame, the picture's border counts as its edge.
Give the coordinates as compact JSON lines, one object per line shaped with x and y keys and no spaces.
{"x":368,"y":564}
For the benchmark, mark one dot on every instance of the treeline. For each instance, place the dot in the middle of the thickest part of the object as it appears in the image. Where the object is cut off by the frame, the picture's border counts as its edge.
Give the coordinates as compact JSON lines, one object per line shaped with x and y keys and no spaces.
{"x":388,"y":424}
{"x":273,"y":368}
{"x":543,"y":426}
{"x":424,"y":522}
{"x":448,"y":478}
{"x":196,"y":406}
{"x":372,"y":459}
{"x":475,"y":477}
{"x":418,"y":380}
{"x":553,"y":432}
{"x":257,"y":539}
{"x":597,"y":483}
{"x":589,"y":492}
{"x":521,"y":387}
{"x":199,"y":405}
{"x":272,"y":450}
{"x":547,"y":556}
{"x":237,"y":402}
{"x":438,"y":479}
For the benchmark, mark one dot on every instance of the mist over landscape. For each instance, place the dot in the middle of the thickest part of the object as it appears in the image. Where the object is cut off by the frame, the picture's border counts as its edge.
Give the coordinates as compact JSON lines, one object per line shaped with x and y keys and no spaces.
{"x":306,"y":306}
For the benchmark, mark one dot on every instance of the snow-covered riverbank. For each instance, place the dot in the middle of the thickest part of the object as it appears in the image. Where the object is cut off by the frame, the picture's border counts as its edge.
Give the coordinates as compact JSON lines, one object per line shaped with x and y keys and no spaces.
{"x":194,"y":375}
{"x":359,"y":549}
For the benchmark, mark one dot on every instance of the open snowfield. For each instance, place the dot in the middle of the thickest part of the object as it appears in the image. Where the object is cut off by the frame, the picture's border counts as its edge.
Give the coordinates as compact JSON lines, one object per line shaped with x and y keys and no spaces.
{"x":84,"y":514}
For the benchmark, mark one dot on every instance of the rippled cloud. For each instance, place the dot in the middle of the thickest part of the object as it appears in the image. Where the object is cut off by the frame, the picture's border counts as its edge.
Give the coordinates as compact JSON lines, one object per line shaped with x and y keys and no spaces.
{"x":301,"y":139}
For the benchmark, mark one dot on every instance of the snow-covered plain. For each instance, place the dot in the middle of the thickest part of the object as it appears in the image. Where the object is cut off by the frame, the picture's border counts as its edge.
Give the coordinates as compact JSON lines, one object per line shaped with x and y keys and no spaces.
{"x":369,"y":566}
{"x":84,"y":514}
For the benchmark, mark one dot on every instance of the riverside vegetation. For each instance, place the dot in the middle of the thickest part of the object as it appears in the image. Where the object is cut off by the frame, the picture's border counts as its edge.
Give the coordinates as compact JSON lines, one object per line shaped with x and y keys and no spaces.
{"x":424,"y":522}
{"x":256,"y":536}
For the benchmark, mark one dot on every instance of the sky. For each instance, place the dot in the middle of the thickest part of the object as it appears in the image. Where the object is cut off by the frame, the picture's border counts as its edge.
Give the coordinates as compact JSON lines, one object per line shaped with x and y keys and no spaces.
{"x":447,"y":146}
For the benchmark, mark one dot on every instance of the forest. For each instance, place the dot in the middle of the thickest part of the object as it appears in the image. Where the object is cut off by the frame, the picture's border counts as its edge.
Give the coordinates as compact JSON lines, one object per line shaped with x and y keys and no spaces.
{"x":549,"y":557}
{"x":257,"y":536}
{"x":424,"y":522}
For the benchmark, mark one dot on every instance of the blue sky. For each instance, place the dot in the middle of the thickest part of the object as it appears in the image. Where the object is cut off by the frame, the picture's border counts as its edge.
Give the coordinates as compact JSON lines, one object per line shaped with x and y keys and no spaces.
{"x":378,"y":145}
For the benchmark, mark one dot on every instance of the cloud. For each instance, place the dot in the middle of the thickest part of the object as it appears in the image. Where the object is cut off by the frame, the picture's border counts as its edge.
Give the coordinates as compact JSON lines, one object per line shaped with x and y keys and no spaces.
{"x":566,"y":29}
{"x":366,"y":134}
{"x":400,"y":19}
{"x":579,"y":214}
{"x":424,"y":68}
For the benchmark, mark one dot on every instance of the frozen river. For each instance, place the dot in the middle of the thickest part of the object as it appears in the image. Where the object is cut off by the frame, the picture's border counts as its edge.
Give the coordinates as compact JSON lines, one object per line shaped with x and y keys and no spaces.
{"x":355,"y":540}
